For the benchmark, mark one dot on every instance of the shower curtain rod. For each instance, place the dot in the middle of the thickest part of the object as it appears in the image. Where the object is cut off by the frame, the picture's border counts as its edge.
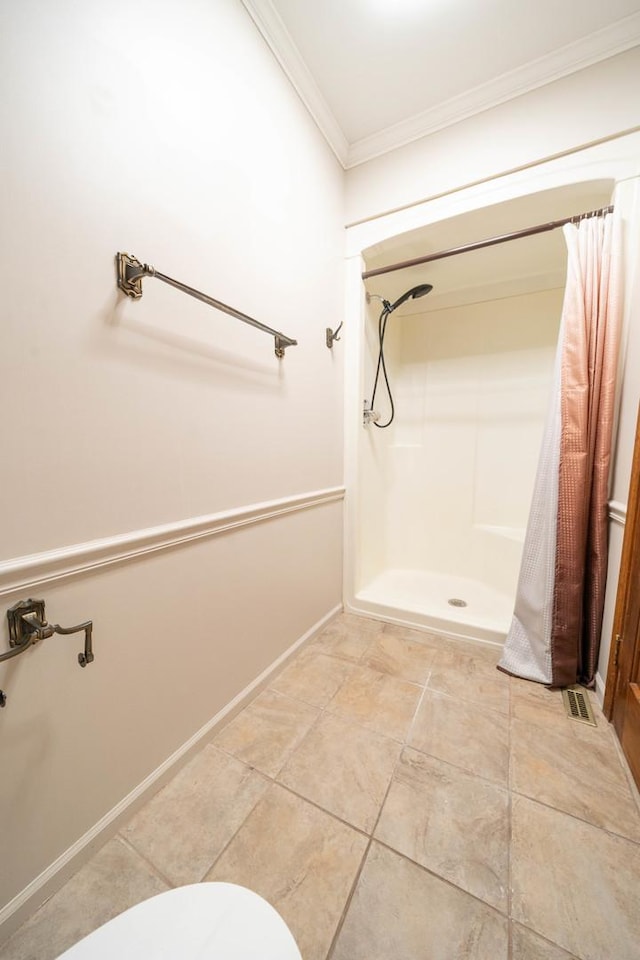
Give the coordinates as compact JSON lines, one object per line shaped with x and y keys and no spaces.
{"x":490,"y":242}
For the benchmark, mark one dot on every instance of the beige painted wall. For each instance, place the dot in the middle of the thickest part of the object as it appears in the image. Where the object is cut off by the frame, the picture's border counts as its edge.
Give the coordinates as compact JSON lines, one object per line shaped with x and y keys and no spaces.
{"x":177,"y":635}
{"x":180,"y":141}
{"x":166,"y":130}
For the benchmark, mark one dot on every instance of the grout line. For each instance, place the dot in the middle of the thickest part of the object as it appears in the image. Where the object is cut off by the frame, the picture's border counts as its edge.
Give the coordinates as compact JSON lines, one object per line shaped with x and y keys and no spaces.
{"x":322,"y":711}
{"x":438,"y":876}
{"x":295,"y":699}
{"x":574,"y":816}
{"x":551,"y":943}
{"x":403,"y":744}
{"x":356,"y":880}
{"x":501,"y":785}
{"x":240,"y":826}
{"x":272,"y":780}
{"x":496,"y":784}
{"x":348,"y":901}
{"x":312,"y":726}
{"x":365,"y":856}
{"x":333,"y":713}
{"x":382,"y":843}
{"x":149,"y":863}
{"x":361,"y":726}
{"x":258,"y":773}
{"x":329,"y":813}
{"x":426,"y":689}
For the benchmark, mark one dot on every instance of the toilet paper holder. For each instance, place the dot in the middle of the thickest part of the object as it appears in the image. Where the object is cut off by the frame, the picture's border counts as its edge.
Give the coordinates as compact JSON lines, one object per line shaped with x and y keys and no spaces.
{"x":27,"y":625}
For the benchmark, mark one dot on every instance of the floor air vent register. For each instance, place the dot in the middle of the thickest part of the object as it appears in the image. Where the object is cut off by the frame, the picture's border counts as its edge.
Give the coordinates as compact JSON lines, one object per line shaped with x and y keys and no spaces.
{"x":576,"y":702}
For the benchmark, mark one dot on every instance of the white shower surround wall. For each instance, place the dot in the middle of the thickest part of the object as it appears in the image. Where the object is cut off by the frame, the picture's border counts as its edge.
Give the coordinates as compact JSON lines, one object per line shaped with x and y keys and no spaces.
{"x":455,"y":470}
{"x":406,"y":591}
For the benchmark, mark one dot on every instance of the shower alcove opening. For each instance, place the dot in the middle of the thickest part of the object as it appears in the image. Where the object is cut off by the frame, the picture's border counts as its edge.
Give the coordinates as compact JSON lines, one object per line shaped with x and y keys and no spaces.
{"x":440,"y":502}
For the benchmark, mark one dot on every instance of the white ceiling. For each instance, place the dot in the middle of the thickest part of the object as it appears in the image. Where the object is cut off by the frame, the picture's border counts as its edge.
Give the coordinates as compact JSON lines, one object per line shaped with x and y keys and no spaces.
{"x":379,"y":73}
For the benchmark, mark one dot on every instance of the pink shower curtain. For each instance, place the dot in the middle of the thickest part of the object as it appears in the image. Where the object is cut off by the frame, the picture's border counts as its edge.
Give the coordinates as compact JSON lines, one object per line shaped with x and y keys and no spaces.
{"x":555,"y":633}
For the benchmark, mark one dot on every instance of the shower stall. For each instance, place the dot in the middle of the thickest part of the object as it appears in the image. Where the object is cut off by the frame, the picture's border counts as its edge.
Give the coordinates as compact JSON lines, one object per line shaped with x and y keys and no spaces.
{"x":439,"y":496}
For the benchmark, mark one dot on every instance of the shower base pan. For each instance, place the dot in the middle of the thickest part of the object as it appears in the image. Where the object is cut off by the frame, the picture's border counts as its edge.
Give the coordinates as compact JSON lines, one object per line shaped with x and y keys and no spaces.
{"x":421,"y":598}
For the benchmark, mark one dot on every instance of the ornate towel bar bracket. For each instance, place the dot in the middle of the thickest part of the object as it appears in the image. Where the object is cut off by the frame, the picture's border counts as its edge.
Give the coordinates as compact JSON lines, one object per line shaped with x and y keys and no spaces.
{"x":27,"y":625}
{"x":130,"y":274}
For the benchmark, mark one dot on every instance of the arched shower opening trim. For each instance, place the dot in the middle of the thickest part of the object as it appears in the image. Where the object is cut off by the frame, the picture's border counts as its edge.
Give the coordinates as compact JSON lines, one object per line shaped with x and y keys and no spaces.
{"x":608,"y":164}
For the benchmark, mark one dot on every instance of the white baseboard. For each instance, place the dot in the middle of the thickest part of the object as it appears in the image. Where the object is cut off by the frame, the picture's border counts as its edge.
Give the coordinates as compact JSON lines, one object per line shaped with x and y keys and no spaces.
{"x":25,"y":903}
{"x":599,"y":689}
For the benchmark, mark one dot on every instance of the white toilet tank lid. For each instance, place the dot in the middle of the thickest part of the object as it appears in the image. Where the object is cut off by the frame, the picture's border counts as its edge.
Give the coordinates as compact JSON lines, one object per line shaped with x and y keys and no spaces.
{"x":201,"y":921}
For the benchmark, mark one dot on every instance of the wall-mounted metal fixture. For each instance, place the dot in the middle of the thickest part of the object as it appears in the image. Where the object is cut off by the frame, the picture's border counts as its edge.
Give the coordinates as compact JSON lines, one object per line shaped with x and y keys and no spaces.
{"x":332,"y":337}
{"x":131,"y":272}
{"x":368,"y":414}
{"x":27,"y":625}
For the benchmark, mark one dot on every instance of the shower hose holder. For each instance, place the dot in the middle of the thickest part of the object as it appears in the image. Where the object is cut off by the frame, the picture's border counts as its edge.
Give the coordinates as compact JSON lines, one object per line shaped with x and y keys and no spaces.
{"x":369,"y":415}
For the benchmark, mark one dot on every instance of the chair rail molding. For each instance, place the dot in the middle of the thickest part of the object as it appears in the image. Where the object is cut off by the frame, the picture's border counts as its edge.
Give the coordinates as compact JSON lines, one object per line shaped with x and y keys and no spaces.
{"x":23,"y":573}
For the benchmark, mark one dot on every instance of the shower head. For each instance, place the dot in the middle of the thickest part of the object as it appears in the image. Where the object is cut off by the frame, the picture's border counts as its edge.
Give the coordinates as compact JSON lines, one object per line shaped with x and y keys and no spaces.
{"x":414,"y":293}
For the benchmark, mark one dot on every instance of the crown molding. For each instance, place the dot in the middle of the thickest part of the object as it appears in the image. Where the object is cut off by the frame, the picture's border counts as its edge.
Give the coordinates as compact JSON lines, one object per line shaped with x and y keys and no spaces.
{"x":278,"y":38}
{"x":600,"y":45}
{"x":616,"y":38}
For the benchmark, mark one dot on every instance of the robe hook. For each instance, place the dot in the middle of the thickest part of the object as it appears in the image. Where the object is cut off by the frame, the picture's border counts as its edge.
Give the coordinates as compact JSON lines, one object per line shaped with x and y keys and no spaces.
{"x":332,"y":337}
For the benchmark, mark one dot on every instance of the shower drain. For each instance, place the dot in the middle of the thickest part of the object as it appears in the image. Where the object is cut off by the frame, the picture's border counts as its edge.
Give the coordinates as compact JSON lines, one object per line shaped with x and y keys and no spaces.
{"x":456,"y":602}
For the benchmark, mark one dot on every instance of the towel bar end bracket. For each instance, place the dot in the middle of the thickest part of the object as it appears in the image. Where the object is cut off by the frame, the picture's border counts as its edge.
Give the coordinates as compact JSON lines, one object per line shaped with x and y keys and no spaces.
{"x":130,"y":274}
{"x":17,"y":632}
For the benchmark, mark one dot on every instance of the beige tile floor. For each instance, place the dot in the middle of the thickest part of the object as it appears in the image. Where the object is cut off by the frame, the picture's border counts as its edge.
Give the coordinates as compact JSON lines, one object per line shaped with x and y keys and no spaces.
{"x":395,"y":797}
